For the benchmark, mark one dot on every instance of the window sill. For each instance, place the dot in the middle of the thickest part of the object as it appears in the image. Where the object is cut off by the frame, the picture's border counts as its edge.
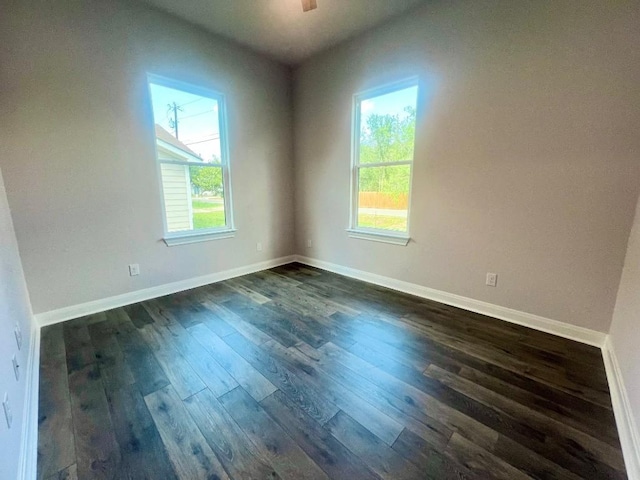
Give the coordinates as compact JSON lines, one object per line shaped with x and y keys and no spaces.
{"x":185,"y":238}
{"x":395,"y":239}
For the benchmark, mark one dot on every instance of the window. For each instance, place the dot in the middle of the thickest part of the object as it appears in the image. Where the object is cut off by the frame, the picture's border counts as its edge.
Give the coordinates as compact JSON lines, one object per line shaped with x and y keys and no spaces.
{"x":383,"y":140}
{"x":193,"y":163}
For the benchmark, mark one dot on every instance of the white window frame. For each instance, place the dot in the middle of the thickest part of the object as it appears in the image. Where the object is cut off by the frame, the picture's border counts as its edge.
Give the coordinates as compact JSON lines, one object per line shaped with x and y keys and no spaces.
{"x":200,"y":235}
{"x":376,"y":234}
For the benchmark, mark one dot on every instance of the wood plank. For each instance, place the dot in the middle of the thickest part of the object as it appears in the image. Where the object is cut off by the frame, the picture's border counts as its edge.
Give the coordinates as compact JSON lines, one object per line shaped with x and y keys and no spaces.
{"x":241,"y":288}
{"x":188,"y":315}
{"x":547,"y":363}
{"x":416,"y":402}
{"x":79,"y":348}
{"x":381,"y":458}
{"x":585,"y":421}
{"x":335,"y":459}
{"x":217,"y":378}
{"x":191,"y":314}
{"x":214,"y":322}
{"x":56,"y":449}
{"x":311,"y":327}
{"x":296,"y":271}
{"x":370,"y":417}
{"x":377,"y":354}
{"x":178,"y":371}
{"x":188,"y":451}
{"x":242,"y":371}
{"x":69,"y":473}
{"x":537,"y":370}
{"x":530,"y":462}
{"x":453,"y":360}
{"x":217,"y":292}
{"x":97,"y":450}
{"x":86,"y":320}
{"x":281,"y":293}
{"x":602,"y":452}
{"x":262,"y":319}
{"x":299,"y":390}
{"x":287,"y":458}
{"x":145,"y":368}
{"x":278,"y":279}
{"x":431,"y":461}
{"x":303,"y":328}
{"x":241,"y":326}
{"x":114,"y":370}
{"x":602,"y":457}
{"x":141,"y":448}
{"x":157,"y":311}
{"x":405,"y":413}
{"x":138,"y":315}
{"x":480,"y":461}
{"x":234,"y":450}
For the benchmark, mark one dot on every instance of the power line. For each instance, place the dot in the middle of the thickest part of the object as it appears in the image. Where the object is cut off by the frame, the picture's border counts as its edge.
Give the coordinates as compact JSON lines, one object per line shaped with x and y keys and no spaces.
{"x":202,"y":137}
{"x":196,"y":114}
{"x":202,"y":141}
{"x":192,"y":101}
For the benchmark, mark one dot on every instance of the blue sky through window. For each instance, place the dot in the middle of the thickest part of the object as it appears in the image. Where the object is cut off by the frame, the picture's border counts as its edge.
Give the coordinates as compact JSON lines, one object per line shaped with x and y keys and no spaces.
{"x":389,"y":104}
{"x":198,"y":126}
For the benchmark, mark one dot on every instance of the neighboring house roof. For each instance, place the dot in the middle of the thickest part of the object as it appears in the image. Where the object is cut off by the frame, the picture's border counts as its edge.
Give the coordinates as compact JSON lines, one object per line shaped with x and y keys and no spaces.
{"x":172,"y":144}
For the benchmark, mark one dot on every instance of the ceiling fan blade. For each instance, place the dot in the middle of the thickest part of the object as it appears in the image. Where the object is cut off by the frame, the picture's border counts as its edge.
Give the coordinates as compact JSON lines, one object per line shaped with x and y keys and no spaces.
{"x":309,"y":5}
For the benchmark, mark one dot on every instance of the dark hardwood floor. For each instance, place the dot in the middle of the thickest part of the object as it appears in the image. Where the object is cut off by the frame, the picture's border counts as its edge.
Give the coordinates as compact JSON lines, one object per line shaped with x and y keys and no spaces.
{"x":297,"y":373}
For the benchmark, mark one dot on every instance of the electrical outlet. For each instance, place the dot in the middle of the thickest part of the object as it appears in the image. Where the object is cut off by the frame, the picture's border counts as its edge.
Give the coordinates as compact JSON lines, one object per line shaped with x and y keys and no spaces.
{"x":18,"y":334}
{"x":259,"y":246}
{"x":309,"y":243}
{"x":134,"y":269}
{"x":492,"y":279}
{"x":8,"y":415}
{"x":16,"y":367}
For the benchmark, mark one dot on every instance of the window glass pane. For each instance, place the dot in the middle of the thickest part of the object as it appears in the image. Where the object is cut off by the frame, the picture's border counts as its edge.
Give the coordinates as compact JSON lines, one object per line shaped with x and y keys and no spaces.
{"x":177,"y":196}
{"x":207,"y":199}
{"x":193,"y":197}
{"x":387,"y":127}
{"x":187,"y":125}
{"x":383,"y":197}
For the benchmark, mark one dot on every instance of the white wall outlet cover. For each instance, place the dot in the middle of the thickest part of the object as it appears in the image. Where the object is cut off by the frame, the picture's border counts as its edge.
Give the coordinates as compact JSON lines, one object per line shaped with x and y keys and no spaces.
{"x":8,"y":415}
{"x":492,"y":279}
{"x":16,"y":367}
{"x":259,"y":246}
{"x":134,"y":269}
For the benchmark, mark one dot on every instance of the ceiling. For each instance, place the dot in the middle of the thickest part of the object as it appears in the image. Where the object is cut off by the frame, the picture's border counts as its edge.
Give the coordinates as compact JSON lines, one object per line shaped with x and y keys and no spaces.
{"x":279,"y":28}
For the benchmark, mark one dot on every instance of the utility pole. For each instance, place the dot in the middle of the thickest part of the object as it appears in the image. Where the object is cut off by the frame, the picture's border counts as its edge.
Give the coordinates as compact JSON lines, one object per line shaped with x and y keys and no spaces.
{"x":174,"y":108}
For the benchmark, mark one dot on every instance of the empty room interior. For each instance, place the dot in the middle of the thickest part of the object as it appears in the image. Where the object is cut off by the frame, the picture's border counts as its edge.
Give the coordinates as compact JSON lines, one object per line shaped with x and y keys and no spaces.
{"x":319,"y":239}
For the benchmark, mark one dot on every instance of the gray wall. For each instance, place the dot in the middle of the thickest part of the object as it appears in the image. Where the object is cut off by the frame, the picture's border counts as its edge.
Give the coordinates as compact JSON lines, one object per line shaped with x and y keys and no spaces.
{"x":14,"y":308}
{"x":526,"y":159}
{"x":625,"y":327}
{"x":77,"y":146}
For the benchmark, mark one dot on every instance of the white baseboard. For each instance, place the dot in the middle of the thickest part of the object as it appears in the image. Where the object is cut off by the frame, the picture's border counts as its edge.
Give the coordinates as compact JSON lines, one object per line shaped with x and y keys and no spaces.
{"x":561,"y":329}
{"x":75,"y":311}
{"x":627,"y":427}
{"x":29,"y":445}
